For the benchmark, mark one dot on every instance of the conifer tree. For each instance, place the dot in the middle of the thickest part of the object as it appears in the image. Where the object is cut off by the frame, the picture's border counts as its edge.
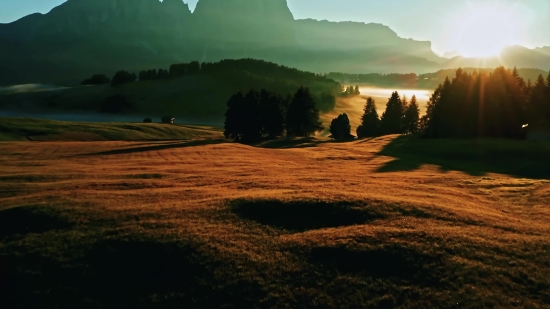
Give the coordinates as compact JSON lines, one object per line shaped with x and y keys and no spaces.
{"x":391,"y":120}
{"x":536,"y":105}
{"x":370,"y":121}
{"x":303,"y":115}
{"x":412,"y":116}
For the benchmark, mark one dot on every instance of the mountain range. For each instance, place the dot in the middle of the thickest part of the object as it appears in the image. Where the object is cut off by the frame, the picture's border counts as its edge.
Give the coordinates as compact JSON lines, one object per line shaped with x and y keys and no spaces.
{"x":84,"y":37}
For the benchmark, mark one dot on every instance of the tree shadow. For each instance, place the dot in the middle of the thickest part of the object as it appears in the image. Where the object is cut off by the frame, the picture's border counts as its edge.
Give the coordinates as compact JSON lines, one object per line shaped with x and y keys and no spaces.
{"x":287,"y":142}
{"x":476,"y":157}
{"x":156,"y":147}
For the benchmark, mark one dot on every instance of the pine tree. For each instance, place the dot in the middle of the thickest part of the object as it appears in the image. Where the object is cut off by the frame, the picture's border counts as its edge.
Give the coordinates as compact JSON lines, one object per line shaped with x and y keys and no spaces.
{"x":536,"y":105}
{"x":412,"y":116}
{"x":340,"y":128}
{"x":303,"y":115}
{"x":370,"y":121}
{"x":357,"y":92}
{"x":391,"y":120}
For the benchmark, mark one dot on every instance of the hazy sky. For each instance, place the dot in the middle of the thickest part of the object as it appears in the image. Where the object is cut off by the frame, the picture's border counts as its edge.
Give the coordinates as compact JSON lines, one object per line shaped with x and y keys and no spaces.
{"x":440,"y":21}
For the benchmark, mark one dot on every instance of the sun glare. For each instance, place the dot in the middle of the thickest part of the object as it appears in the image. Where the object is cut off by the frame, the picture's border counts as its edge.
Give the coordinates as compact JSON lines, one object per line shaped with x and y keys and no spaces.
{"x":485,"y":32}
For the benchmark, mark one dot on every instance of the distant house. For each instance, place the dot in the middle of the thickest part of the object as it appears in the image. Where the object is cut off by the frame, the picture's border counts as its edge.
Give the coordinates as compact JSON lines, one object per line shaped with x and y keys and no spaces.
{"x":538,"y":131}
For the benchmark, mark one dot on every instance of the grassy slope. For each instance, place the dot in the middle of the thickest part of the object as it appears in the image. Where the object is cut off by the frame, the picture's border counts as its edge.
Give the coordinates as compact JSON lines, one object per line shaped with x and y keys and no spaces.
{"x":152,"y":98}
{"x":50,"y":130}
{"x":208,"y":224}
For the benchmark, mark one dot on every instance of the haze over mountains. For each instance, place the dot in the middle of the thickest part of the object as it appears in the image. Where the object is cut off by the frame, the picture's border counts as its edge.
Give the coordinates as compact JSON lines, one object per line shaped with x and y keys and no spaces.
{"x":83,"y":37}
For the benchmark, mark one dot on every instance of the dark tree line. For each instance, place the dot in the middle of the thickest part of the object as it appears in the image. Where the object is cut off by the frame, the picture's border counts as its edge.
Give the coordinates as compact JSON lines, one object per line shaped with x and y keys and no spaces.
{"x":400,"y":117}
{"x":351,"y":91}
{"x":481,"y":104}
{"x":123,"y":77}
{"x":244,"y":74}
{"x":258,"y":115}
{"x":97,"y":79}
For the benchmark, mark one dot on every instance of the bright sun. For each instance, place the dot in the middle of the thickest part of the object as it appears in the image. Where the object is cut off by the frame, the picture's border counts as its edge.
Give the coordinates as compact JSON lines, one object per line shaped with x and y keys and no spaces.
{"x":484,"y":33}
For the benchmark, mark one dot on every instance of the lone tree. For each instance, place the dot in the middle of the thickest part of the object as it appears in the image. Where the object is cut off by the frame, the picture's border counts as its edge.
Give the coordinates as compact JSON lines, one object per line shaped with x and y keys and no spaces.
{"x":123,"y":77}
{"x":340,"y":128}
{"x":392,"y":119}
{"x":303,"y":115}
{"x":370,"y":121}
{"x":411,"y":119}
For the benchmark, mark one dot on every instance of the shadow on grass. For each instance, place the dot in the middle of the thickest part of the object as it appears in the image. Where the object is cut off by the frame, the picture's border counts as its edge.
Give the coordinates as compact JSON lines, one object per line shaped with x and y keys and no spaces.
{"x":123,"y":273}
{"x":516,"y":158}
{"x":19,"y":221}
{"x":382,"y":262}
{"x":304,"y":215}
{"x":174,"y":145}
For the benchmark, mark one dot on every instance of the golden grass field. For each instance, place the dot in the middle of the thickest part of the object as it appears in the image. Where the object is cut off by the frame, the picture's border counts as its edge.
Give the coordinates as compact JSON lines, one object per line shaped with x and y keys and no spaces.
{"x":390,"y":222}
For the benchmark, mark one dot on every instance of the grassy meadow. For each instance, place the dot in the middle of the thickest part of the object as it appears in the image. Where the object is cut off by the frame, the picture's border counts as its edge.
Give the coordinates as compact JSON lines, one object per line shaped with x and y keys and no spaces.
{"x":198,"y":222}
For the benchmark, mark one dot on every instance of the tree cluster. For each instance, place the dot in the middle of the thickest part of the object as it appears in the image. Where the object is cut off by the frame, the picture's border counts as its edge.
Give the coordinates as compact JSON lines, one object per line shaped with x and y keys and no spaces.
{"x":123,"y":77}
{"x":182,"y":69}
{"x":148,"y":75}
{"x":481,"y":104}
{"x":351,"y":91}
{"x":400,"y":117}
{"x":97,"y":79}
{"x":384,"y":80}
{"x":258,"y":115}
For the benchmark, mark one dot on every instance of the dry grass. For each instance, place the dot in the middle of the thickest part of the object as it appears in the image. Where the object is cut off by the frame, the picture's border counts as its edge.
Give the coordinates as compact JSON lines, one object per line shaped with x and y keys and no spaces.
{"x":208,"y":224}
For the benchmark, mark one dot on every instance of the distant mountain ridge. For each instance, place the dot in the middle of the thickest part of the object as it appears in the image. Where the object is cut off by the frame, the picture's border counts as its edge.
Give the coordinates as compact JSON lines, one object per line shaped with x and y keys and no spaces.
{"x":84,"y":37}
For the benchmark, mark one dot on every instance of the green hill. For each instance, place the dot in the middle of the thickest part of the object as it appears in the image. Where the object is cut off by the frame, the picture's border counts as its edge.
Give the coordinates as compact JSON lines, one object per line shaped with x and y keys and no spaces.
{"x":203,"y":94}
{"x":18,"y":129}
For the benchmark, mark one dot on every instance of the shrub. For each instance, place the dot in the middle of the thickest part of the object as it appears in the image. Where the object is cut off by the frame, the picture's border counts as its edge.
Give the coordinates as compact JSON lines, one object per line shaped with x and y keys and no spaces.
{"x":147,"y":120}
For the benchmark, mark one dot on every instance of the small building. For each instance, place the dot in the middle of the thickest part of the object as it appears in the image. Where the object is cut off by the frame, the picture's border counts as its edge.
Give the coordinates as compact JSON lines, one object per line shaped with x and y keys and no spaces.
{"x":538,"y":131}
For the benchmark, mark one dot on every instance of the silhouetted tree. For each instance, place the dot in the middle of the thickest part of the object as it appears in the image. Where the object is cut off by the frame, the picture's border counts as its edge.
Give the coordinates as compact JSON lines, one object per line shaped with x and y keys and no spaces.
{"x":412,"y":117}
{"x":370,"y":121}
{"x":97,"y":79}
{"x":148,"y":120}
{"x":163,"y":74}
{"x":254,"y":116}
{"x":194,"y":68}
{"x":234,"y":117}
{"x":486,"y":104}
{"x":357,"y":90}
{"x":303,"y":116}
{"x":538,"y":102}
{"x":340,"y":128}
{"x":391,"y":120}
{"x":271,"y":114}
{"x":123,"y":77}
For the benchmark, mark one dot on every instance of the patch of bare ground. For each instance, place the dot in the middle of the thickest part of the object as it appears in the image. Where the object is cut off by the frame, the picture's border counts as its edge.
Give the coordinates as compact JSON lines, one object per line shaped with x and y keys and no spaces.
{"x":284,"y":224}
